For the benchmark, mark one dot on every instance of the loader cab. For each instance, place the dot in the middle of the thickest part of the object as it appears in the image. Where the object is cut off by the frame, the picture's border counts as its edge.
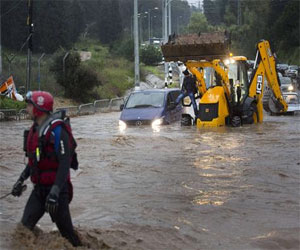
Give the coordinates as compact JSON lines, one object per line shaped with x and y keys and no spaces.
{"x":238,"y":79}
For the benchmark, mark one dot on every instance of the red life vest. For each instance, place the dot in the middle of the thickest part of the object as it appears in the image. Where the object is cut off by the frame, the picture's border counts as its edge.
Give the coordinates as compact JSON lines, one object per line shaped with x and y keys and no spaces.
{"x":41,"y":151}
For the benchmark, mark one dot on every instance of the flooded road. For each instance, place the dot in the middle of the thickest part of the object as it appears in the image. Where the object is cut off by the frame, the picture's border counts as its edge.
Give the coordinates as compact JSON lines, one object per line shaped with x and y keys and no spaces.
{"x":176,"y":188}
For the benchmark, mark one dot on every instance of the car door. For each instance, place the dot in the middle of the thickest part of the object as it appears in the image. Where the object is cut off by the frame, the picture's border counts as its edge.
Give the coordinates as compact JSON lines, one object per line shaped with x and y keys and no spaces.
{"x":175,"y":113}
{"x":169,"y":111}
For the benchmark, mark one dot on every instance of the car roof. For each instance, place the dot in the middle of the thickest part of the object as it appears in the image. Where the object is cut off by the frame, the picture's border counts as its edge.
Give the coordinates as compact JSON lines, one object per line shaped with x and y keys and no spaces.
{"x":165,"y":90}
{"x":290,"y":93}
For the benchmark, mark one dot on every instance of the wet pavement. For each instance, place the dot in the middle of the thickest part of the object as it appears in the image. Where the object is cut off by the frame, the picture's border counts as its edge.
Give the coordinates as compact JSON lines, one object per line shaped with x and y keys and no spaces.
{"x":172,"y":188}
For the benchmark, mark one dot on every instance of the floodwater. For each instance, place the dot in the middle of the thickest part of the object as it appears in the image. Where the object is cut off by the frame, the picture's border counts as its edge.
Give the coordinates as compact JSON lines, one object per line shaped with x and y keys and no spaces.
{"x":173,"y":188}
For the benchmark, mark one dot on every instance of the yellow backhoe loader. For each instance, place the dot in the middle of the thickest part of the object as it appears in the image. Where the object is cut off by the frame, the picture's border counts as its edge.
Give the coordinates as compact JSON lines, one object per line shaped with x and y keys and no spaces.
{"x":228,"y":95}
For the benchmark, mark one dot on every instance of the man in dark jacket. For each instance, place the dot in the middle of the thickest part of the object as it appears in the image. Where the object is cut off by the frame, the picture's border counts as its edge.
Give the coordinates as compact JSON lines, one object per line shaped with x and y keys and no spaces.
{"x":48,"y":167}
{"x":189,"y":88}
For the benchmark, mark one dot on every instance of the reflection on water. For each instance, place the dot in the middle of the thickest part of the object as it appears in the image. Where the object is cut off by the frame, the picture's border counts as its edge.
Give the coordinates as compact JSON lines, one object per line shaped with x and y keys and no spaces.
{"x":172,"y":188}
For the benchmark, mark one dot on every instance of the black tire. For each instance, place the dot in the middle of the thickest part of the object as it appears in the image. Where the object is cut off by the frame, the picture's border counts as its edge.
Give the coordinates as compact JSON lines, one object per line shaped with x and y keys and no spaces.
{"x":236,"y":121}
{"x":186,"y":120}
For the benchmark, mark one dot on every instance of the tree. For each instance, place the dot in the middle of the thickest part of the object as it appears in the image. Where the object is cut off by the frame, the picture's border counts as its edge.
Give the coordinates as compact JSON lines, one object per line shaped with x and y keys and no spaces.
{"x":150,"y":55}
{"x":109,"y":23}
{"x":13,"y":23}
{"x":198,"y":23}
{"x":77,"y":80}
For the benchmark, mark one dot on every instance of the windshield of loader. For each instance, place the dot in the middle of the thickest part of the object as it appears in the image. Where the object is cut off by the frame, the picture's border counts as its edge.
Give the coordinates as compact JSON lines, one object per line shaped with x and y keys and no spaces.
{"x":238,"y":73}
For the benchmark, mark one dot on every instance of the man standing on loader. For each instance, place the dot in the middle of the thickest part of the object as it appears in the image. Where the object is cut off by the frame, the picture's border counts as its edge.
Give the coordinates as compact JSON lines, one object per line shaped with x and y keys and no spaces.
{"x":189,"y":88}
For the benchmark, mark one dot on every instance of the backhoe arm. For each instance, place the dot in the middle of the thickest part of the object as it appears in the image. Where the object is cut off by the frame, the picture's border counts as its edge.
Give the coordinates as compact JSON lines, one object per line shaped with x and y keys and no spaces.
{"x":222,"y":72}
{"x":265,"y":65}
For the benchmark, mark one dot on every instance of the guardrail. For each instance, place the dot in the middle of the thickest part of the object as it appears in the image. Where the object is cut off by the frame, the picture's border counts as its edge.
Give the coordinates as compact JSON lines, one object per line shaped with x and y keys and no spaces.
{"x":9,"y":114}
{"x":115,"y":103}
{"x":70,"y":110}
{"x":86,"y":109}
{"x":23,"y":115}
{"x":104,"y":105}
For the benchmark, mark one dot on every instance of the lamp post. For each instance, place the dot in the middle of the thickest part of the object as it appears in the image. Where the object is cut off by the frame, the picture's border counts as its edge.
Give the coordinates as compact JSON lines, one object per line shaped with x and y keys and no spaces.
{"x":149,"y":21}
{"x":166,"y":8}
{"x":39,"y":70}
{"x":136,"y":47}
{"x":151,"y":26}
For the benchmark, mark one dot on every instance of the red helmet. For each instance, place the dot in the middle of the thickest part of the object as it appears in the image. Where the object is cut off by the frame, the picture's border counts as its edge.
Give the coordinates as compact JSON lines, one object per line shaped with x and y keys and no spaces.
{"x":42,"y":102}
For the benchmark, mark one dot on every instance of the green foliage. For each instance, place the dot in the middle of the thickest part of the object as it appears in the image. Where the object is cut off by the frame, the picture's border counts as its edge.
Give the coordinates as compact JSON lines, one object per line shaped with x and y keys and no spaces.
{"x":124,"y":48}
{"x":150,"y":55}
{"x":109,"y":23}
{"x":276,"y":21}
{"x":77,"y":80}
{"x":198,"y":23}
{"x":155,"y":70}
{"x":116,"y":77}
{"x":7,"y":103}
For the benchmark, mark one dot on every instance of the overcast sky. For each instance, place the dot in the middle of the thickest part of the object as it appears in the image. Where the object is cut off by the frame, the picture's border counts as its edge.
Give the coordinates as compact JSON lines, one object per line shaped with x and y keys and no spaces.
{"x":194,"y":2}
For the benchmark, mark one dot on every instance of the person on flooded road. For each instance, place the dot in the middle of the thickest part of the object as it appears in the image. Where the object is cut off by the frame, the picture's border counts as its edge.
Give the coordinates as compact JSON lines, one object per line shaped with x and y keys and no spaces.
{"x":50,"y":148}
{"x":189,"y":88}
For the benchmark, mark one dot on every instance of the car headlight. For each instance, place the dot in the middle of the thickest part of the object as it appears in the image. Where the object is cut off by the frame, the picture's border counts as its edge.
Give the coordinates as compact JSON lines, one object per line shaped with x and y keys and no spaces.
{"x":157,"y":122}
{"x":122,"y":125}
{"x":291,"y":88}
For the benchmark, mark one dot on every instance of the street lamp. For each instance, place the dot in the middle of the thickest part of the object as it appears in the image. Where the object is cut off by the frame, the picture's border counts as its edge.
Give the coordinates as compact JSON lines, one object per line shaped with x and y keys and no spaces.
{"x":39,"y":70}
{"x":139,"y":26}
{"x":149,"y":21}
{"x":136,"y":47}
{"x":151,"y":26}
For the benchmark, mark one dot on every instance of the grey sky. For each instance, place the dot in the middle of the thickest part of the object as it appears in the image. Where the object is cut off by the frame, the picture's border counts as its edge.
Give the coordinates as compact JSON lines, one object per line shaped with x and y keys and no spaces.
{"x":194,"y":2}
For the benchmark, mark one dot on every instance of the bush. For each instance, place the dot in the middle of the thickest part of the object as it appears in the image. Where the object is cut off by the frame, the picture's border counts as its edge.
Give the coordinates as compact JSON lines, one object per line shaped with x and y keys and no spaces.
{"x":7,"y":103}
{"x":78,"y":80}
{"x":150,"y":55}
{"x":124,"y":48}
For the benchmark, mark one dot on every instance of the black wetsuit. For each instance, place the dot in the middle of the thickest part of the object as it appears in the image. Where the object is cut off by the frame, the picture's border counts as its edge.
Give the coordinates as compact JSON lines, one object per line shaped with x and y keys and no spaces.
{"x":35,"y":207}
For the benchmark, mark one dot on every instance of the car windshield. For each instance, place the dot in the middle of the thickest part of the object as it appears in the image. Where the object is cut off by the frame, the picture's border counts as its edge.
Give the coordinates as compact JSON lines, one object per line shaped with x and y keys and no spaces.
{"x":145,"y":99}
{"x":285,"y":80}
{"x":294,"y":67}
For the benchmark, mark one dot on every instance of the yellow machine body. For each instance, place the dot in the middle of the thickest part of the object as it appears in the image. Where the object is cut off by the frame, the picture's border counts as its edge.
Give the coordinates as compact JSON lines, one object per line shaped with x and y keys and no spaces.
{"x":232,"y":98}
{"x":213,"y":109}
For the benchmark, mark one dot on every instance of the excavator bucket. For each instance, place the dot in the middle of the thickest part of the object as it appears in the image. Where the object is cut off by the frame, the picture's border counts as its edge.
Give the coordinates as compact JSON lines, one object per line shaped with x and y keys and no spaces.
{"x":205,"y":46}
{"x":271,"y":104}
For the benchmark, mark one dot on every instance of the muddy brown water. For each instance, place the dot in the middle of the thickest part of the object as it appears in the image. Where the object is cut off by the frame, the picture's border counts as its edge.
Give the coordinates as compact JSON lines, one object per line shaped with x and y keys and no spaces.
{"x":176,"y":188}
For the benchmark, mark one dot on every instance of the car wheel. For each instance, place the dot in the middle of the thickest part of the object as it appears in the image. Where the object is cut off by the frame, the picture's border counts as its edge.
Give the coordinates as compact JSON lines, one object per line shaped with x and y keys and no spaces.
{"x":186,"y":120}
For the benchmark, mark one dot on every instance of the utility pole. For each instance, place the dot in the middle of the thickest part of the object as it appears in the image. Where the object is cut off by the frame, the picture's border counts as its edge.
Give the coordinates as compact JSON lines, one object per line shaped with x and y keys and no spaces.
{"x":149,"y":25}
{"x":39,"y":70}
{"x":136,"y":47}
{"x":169,"y":15}
{"x":0,"y":44}
{"x":163,"y":20}
{"x":29,"y":50}
{"x":166,"y":9}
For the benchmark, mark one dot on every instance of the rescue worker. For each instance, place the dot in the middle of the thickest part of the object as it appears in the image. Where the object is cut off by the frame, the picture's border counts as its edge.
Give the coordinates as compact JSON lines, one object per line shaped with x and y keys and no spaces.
{"x":49,"y":170}
{"x":189,"y":88}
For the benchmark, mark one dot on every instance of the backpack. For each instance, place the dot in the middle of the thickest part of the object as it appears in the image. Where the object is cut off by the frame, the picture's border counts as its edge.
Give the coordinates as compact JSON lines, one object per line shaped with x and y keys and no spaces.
{"x":56,"y":122}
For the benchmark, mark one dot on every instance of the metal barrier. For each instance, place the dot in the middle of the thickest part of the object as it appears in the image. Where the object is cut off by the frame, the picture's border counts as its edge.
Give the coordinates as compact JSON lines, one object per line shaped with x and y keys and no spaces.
{"x":8,"y":114}
{"x":115,"y":103}
{"x":23,"y":114}
{"x":70,"y":110}
{"x":102,"y":105}
{"x":86,"y":109}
